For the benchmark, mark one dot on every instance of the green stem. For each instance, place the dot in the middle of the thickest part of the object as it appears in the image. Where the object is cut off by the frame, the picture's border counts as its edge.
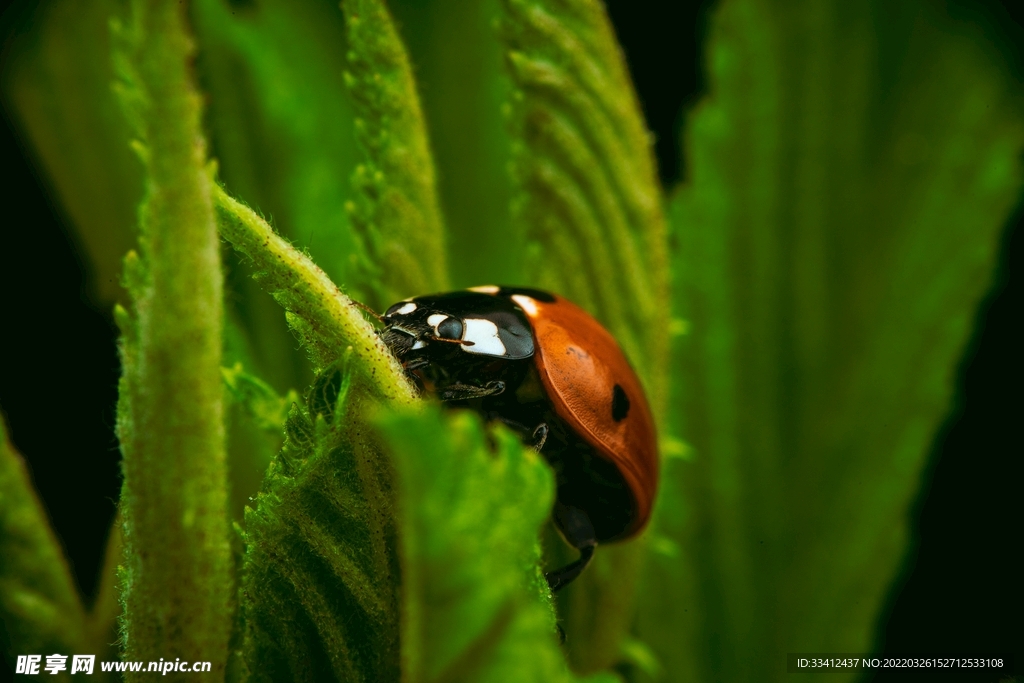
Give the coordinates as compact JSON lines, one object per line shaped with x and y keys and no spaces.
{"x":178,"y":582}
{"x":326,"y":319}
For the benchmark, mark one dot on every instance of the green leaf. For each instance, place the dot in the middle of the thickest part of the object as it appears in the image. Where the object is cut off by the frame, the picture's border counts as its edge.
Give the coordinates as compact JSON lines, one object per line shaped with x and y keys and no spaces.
{"x":589,"y":204}
{"x":178,"y":579}
{"x":321,"y":581}
{"x":396,"y":210}
{"x":260,"y":401}
{"x":255,"y":429}
{"x":39,"y":604}
{"x":850,"y":173}
{"x":56,"y":85}
{"x":588,"y":199}
{"x":475,"y":605}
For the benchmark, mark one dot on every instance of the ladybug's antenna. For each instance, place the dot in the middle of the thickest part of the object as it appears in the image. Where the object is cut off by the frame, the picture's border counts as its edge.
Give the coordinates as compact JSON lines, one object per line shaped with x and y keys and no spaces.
{"x":366,"y":309}
{"x":465,"y":342}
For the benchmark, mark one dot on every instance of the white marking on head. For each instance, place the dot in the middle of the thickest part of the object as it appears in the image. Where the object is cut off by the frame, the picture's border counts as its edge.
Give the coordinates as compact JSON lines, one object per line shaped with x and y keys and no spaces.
{"x":406,"y":309}
{"x":436,"y":320}
{"x":485,"y":289}
{"x":526,"y":303}
{"x":484,"y":335}
{"x":419,"y":344}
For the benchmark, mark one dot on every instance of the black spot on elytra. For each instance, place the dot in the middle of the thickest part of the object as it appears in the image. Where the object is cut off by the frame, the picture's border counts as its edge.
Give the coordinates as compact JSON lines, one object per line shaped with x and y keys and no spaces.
{"x":620,"y":404}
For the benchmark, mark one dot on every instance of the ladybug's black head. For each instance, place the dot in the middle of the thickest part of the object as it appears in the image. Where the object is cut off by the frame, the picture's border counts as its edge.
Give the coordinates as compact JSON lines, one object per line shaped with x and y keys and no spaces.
{"x":411,"y":326}
{"x":467,"y":321}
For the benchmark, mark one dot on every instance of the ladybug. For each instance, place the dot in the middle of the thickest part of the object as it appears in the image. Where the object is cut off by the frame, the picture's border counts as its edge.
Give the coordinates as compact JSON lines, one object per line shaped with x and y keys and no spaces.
{"x":547,"y":369}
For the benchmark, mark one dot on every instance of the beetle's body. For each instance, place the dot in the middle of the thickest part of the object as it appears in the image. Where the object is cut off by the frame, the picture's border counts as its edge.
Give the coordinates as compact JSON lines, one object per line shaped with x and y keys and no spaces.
{"x":549,"y":370}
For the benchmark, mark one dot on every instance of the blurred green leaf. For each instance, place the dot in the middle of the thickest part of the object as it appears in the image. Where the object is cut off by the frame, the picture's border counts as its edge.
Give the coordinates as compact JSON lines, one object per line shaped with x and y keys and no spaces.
{"x":178,"y":579}
{"x":476,"y":606}
{"x":850,"y":173}
{"x":39,"y":604}
{"x":56,"y":86}
{"x":396,"y":210}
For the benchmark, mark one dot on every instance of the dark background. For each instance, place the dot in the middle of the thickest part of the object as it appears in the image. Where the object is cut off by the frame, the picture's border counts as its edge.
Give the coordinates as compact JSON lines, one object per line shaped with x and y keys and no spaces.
{"x":960,"y":591}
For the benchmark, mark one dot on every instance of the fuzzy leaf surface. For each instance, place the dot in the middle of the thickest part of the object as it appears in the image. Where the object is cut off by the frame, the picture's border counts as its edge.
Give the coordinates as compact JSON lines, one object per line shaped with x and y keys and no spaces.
{"x":588,"y":198}
{"x":395,"y":210}
{"x":850,"y":173}
{"x":320,"y":588}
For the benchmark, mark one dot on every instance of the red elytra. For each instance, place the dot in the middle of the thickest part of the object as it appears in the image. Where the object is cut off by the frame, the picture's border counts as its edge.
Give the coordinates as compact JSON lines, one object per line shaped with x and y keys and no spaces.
{"x":580,"y":363}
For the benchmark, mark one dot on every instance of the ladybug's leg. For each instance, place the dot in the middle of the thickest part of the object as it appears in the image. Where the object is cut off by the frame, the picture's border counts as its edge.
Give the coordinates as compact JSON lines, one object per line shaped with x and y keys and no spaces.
{"x":540,"y":436}
{"x":537,"y":436}
{"x":410,"y":367}
{"x":416,"y":364}
{"x":577,"y":528}
{"x":518,"y":427}
{"x":560,"y":578}
{"x":461,"y":392}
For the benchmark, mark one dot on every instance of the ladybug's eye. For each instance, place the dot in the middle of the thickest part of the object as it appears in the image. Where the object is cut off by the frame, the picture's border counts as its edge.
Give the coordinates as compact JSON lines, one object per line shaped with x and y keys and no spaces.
{"x":450,"y":328}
